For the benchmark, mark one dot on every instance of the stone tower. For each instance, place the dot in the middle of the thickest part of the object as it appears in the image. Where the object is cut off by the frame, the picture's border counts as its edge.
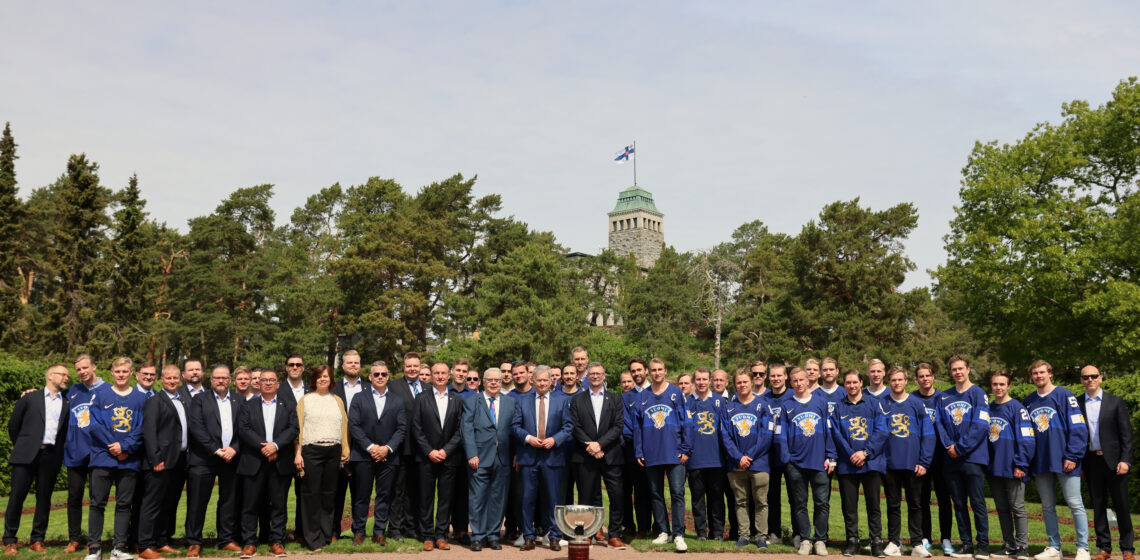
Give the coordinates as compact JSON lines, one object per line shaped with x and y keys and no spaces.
{"x":636,"y":227}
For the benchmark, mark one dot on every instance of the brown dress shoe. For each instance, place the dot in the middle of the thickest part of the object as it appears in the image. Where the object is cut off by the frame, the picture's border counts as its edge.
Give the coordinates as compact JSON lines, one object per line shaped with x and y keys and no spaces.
{"x":554,"y":546}
{"x":248,"y":551}
{"x":71,"y":547}
{"x":357,"y":540}
{"x":528,"y":544}
{"x":599,"y":538}
{"x":380,"y":540}
{"x":278,"y":550}
{"x":37,"y":547}
{"x":1102,"y":555}
{"x":428,"y":546}
{"x":11,"y":550}
{"x":150,"y":554}
{"x":167,"y":549}
{"x":441,"y":544}
{"x":1129,"y":556}
{"x":231,"y":547}
{"x":616,"y":544}
{"x":194,"y":551}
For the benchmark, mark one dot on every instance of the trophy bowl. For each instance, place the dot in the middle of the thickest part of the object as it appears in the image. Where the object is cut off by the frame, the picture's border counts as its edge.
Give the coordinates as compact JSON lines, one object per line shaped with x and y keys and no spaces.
{"x":579,"y":523}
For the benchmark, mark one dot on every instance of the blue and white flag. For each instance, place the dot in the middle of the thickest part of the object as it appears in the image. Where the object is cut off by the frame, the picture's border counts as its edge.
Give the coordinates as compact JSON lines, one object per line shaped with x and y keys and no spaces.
{"x":623,"y":155}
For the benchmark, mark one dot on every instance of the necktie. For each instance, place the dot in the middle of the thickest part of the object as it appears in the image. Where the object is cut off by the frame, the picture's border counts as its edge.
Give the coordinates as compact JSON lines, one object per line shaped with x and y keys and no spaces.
{"x":494,"y":417}
{"x":542,"y":417}
{"x":416,"y":389}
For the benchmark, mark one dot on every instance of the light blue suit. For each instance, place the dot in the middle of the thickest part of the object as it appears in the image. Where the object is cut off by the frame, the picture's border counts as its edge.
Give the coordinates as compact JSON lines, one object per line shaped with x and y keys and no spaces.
{"x":491,"y":443}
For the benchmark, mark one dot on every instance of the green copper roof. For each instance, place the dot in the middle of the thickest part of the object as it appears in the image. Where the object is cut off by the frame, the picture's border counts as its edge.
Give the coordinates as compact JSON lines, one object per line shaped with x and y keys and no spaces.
{"x":635,"y":198}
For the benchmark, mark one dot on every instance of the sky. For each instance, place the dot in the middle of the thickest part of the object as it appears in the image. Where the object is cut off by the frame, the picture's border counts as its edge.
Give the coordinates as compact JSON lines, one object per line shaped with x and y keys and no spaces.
{"x":741,"y":110}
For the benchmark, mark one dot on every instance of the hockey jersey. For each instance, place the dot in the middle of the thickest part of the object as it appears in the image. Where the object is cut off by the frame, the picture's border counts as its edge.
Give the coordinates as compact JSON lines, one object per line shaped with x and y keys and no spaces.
{"x":749,"y":430}
{"x":660,"y":430}
{"x":1060,"y":431}
{"x":806,"y":427}
{"x":1012,"y":440}
{"x":860,"y":426}
{"x":964,"y":422}
{"x":912,"y":439}
{"x":77,"y":450}
{"x":704,"y":426}
{"x":118,"y":419}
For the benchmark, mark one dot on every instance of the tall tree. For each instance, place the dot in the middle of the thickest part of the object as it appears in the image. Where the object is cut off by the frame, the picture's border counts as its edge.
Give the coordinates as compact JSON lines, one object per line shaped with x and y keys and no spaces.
{"x":11,"y":218}
{"x":717,"y":276}
{"x":659,"y":312}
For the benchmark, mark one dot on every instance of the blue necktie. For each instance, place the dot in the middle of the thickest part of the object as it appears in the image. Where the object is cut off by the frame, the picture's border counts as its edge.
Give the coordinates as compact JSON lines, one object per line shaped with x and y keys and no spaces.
{"x":494,"y":420}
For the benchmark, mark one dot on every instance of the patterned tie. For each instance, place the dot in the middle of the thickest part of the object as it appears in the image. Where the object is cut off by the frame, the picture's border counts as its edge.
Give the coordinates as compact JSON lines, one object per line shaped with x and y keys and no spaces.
{"x":415,"y":389}
{"x":542,"y":417}
{"x":494,"y":418}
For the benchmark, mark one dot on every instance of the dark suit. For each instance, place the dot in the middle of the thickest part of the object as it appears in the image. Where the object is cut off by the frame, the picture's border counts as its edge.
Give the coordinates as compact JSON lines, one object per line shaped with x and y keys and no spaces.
{"x":206,"y":467}
{"x":263,"y":480}
{"x":285,"y":395}
{"x":406,"y":498}
{"x":179,"y":478}
{"x":162,"y":437}
{"x":490,"y":441}
{"x":32,"y":460}
{"x":430,"y":435}
{"x":1115,"y":434}
{"x":344,"y":475}
{"x":541,"y":468}
{"x":366,"y":429}
{"x":607,"y":432}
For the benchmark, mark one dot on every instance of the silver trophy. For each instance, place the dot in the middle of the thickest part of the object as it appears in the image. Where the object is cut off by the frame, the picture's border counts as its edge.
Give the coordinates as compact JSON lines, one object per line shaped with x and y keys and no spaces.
{"x":578,"y":524}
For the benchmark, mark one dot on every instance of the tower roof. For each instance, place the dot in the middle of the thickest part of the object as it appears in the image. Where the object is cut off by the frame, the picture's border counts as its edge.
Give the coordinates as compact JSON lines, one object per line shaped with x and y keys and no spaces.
{"x":635,"y":198}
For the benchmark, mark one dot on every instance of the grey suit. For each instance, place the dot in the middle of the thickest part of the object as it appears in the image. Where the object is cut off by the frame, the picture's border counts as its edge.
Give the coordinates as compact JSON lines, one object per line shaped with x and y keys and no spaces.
{"x":490,"y":441}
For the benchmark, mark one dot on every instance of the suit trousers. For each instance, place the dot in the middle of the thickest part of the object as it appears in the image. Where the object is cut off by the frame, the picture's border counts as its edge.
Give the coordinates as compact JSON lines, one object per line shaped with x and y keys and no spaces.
{"x":1103,"y":484}
{"x":43,"y":472}
{"x":406,"y":501}
{"x":460,"y":514}
{"x":199,"y":487}
{"x":849,"y":484}
{"x":76,"y":484}
{"x":639,"y":514}
{"x":318,"y":491}
{"x":708,"y":503}
{"x":540,"y":495}
{"x":101,"y":480}
{"x":344,"y":489}
{"x":160,"y":504}
{"x":486,"y":500}
{"x":136,"y":510}
{"x":365,"y":476}
{"x":267,"y":487}
{"x":436,"y":484}
{"x":591,"y":473}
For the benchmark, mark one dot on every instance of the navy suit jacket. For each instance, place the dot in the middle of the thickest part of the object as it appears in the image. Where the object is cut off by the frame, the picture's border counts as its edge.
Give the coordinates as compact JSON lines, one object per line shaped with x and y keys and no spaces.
{"x":27,"y":425}
{"x":206,"y":429}
{"x":366,"y":429}
{"x":252,"y":434}
{"x":482,"y":437}
{"x":558,"y":426}
{"x":162,"y":430}
{"x":426,"y":429}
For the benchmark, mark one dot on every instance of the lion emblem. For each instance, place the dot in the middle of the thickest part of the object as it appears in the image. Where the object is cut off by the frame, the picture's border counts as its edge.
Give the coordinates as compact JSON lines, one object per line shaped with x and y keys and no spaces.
{"x":1041,"y":418}
{"x":996,"y":426}
{"x":958,"y":411}
{"x":83,"y":415}
{"x":658,"y":413}
{"x":744,"y":423}
{"x":900,"y":425}
{"x":857,"y":427}
{"x":706,"y":423}
{"x":121,"y":419}
{"x":807,"y":422}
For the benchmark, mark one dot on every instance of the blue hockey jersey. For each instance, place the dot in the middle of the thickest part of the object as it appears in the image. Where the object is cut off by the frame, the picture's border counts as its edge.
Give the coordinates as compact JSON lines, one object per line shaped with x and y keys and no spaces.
{"x":806,"y":427}
{"x":912,"y":438}
{"x":964,"y":422}
{"x":704,"y":426}
{"x":660,"y":428}
{"x":77,"y":450}
{"x":833,"y":397}
{"x":1060,"y":431}
{"x":749,"y":430}
{"x":1012,"y":441}
{"x":860,"y":426}
{"x":118,"y":419}
{"x":930,"y":403}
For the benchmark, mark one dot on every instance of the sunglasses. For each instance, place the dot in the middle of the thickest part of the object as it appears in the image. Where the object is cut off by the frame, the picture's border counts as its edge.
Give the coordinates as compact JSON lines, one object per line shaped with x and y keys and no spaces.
{"x":379,"y":374}
{"x":1087,"y":377}
{"x":759,"y":374}
{"x":473,"y":379}
{"x":295,"y":365}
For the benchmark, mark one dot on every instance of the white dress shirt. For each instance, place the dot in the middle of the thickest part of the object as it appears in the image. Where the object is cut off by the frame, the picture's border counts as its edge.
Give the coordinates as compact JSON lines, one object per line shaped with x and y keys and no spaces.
{"x":1092,"y":414}
{"x":494,"y":411}
{"x":226,"y":416}
{"x":269,"y":415}
{"x":53,"y":407}
{"x":174,"y":398}
{"x":350,"y":390}
{"x":596,"y":400}
{"x":441,"y":403}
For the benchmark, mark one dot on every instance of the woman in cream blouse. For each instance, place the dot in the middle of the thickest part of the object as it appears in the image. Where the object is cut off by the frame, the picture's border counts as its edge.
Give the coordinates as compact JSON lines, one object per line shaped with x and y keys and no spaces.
{"x":322,"y":447}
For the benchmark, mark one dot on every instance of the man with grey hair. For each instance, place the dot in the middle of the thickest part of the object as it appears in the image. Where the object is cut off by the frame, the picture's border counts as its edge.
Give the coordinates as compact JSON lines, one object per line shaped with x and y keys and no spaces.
{"x":486,"y":429}
{"x":540,"y":429}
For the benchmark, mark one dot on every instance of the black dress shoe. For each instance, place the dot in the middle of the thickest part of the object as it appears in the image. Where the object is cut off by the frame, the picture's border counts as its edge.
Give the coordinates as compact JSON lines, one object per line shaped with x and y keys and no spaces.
{"x":528,"y":544}
{"x":554,"y":546}
{"x":496,"y":546}
{"x":852,"y":548}
{"x":476,"y":546}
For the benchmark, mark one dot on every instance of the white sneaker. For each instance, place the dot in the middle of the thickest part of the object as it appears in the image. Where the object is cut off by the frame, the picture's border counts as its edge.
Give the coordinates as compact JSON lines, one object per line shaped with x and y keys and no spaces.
{"x":661,"y":538}
{"x":1082,"y":554}
{"x":563,"y":542}
{"x":541,"y":541}
{"x":820,"y":548}
{"x":920,"y":551}
{"x":518,"y":542}
{"x":892,"y":549}
{"x":805,"y":548}
{"x":117,"y":554}
{"x":680,"y":546}
{"x":98,"y":555}
{"x":1051,"y":553}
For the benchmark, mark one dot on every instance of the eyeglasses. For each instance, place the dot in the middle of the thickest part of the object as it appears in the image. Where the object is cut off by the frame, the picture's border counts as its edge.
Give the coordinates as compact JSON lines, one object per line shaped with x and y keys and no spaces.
{"x":473,"y":379}
{"x":759,"y":374}
{"x":379,"y":374}
{"x":296,"y":364}
{"x":1092,"y":376}
{"x":269,"y":381}
{"x":492,"y":380}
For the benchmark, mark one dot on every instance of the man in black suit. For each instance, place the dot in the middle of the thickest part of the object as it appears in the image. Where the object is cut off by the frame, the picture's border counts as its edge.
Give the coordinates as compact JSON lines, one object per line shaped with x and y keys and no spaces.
{"x":1107,"y":461}
{"x":348,"y":387}
{"x":598,"y":417}
{"x":166,"y":437}
{"x":213,"y":456}
{"x":290,"y":391}
{"x":377,"y":424}
{"x":37,"y":429}
{"x":436,"y":421}
{"x":406,"y":501}
{"x":267,"y":430}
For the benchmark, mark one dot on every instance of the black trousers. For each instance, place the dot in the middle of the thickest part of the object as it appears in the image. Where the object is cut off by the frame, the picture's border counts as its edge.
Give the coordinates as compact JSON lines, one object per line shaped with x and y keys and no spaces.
{"x":512,"y":524}
{"x":775,"y":502}
{"x":365,"y":476}
{"x":199,"y":487}
{"x":267,"y":487}
{"x":460,"y":512}
{"x":343,"y":488}
{"x":591,"y":473}
{"x":936,"y":478}
{"x":1103,"y":484}
{"x":160,"y":504}
{"x":436,"y":485}
{"x":849,"y":498}
{"x":42,"y":471}
{"x":136,"y":509}
{"x":406,"y":501}
{"x":101,"y":481}
{"x":894,"y":483}
{"x":318,"y":491}
{"x":76,"y":484}
{"x":639,"y":515}
{"x":706,"y":486}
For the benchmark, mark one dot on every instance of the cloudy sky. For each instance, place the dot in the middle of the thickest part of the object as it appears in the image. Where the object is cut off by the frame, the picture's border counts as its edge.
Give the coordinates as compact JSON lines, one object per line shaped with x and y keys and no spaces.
{"x":740,"y":110}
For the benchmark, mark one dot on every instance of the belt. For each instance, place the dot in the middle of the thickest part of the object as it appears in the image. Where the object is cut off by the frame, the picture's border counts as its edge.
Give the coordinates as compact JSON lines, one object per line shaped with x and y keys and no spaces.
{"x":47,"y":446}
{"x":1097,"y":452}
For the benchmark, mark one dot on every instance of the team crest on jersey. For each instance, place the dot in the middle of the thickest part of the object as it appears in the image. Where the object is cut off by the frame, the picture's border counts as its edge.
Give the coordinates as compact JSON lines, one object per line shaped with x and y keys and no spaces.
{"x":82,"y":415}
{"x":958,"y":411}
{"x":706,"y":423}
{"x":932,"y":413}
{"x":807,"y":422}
{"x":1042,"y":417}
{"x":658,"y":413}
{"x":857,"y":427}
{"x":121,"y":419}
{"x":996,"y":427}
{"x":744,"y":423}
{"x":900,"y":425}
{"x":830,"y":407}
{"x":776,"y":410}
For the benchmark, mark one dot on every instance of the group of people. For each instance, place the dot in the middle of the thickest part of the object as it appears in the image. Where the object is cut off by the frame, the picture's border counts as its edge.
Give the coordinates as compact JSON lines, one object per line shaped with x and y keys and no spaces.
{"x":443,"y":454}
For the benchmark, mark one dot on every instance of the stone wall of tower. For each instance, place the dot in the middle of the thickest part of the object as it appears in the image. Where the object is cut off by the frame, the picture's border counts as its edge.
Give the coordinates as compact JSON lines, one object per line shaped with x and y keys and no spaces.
{"x":639,"y":233}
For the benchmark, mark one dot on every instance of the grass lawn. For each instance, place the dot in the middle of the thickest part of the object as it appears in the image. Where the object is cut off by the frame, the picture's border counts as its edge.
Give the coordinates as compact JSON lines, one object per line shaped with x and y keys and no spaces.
{"x":57,"y":530}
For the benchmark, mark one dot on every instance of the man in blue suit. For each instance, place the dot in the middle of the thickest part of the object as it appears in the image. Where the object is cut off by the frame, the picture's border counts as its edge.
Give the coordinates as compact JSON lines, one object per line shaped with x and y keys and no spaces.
{"x":488,"y":418}
{"x":542,"y":425}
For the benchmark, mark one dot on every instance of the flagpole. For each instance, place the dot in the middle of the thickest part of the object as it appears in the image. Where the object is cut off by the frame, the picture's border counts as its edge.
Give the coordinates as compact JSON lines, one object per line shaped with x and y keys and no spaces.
{"x":635,"y":163}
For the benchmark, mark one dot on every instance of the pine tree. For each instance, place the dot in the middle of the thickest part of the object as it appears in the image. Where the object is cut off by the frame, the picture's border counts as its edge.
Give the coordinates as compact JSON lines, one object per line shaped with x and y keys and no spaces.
{"x":11,"y":216}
